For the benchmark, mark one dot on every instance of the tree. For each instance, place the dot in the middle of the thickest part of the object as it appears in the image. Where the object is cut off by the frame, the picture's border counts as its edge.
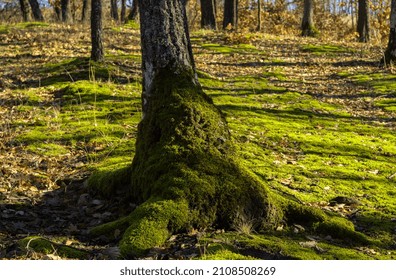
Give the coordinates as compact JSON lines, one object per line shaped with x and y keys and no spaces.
{"x":97,"y":52}
{"x":114,"y":9}
{"x":258,"y":28}
{"x":134,"y":10}
{"x":208,"y":14}
{"x":307,"y":25}
{"x":37,"y":15}
{"x":390,"y":52}
{"x":230,"y":14}
{"x":65,"y":10}
{"x":185,"y":173}
{"x":84,"y":10}
{"x":24,"y":10}
{"x":123,"y":10}
{"x":363,"y":22}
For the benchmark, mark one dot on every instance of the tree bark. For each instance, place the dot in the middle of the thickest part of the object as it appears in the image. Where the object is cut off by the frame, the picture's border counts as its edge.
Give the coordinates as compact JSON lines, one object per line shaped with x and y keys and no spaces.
{"x":307,"y":25}
{"x":363,"y":21}
{"x":258,"y":15}
{"x":390,"y":53}
{"x":24,"y":10}
{"x":85,"y":10}
{"x":134,"y":10}
{"x":123,"y":10}
{"x":37,"y":15}
{"x":65,"y":10}
{"x":208,"y":14}
{"x":114,"y":9}
{"x":97,"y":52}
{"x":230,"y":20}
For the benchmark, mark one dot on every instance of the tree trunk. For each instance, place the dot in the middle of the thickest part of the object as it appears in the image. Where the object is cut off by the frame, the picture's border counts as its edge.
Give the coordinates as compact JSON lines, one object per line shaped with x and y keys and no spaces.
{"x":363,"y":26}
{"x":123,"y":10}
{"x":307,"y":25}
{"x":37,"y":15}
{"x":390,"y":53}
{"x":84,"y":10}
{"x":65,"y":10}
{"x":208,"y":14}
{"x":24,"y":10}
{"x":230,"y":20}
{"x":97,"y":53}
{"x":134,"y":10}
{"x":258,"y":15}
{"x":114,"y":9}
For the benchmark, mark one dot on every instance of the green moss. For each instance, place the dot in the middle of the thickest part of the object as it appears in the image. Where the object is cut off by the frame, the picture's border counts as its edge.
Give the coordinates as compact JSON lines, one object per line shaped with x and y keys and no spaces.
{"x":45,"y":246}
{"x":223,"y":254}
{"x":48,"y":149}
{"x":32,"y":24}
{"x":324,"y":49}
{"x":4,"y":29}
{"x":221,"y":49}
{"x":152,"y":223}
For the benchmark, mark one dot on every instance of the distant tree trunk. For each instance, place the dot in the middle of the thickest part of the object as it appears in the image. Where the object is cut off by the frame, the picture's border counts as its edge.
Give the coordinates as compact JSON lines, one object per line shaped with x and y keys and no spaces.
{"x":307,"y":25}
{"x":114,"y":9}
{"x":390,"y":53}
{"x":363,"y":25}
{"x":208,"y":14}
{"x":24,"y":10}
{"x":258,"y":15}
{"x":85,"y":9}
{"x":97,"y":52}
{"x":123,"y":10}
{"x":134,"y":10}
{"x":37,"y":15}
{"x":230,"y":14}
{"x":65,"y":10}
{"x":58,"y":13}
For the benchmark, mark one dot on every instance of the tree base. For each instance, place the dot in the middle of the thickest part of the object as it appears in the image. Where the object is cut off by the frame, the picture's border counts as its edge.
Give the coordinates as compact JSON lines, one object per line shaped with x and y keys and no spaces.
{"x":185,"y":174}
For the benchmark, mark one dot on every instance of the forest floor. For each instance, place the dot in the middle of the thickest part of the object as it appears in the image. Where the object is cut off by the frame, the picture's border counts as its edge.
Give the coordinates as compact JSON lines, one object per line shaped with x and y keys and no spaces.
{"x":315,"y":121}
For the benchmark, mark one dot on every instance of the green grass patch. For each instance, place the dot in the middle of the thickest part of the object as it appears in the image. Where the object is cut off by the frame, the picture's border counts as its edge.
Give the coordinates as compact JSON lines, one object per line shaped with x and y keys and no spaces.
{"x":4,"y":29}
{"x":222,"y":49}
{"x":33,"y":24}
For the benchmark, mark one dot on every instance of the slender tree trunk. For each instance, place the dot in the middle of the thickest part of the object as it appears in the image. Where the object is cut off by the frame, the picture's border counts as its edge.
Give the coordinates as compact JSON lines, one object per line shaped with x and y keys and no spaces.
{"x":37,"y":15}
{"x":97,"y":52}
{"x":24,"y":10}
{"x":363,"y":22}
{"x":208,"y":14}
{"x":390,"y":53}
{"x":123,"y":10}
{"x":65,"y":10}
{"x":85,"y":10}
{"x":114,"y":9}
{"x":307,"y":25}
{"x":258,"y":15}
{"x":230,"y":14}
{"x":134,"y":10}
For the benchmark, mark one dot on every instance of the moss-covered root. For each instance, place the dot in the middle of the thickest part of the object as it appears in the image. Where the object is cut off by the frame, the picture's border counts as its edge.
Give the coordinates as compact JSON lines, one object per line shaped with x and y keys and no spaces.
{"x":44,"y":246}
{"x":151,"y":224}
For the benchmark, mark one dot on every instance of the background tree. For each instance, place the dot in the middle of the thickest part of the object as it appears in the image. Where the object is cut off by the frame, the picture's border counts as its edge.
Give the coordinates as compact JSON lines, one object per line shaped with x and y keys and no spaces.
{"x":258,"y":15}
{"x":65,"y":10}
{"x":307,"y":25}
{"x":123,"y":10}
{"x":114,"y":9}
{"x":363,"y":22}
{"x":24,"y":10}
{"x":84,"y":10}
{"x":37,"y":15}
{"x":208,"y":14}
{"x":390,"y":52}
{"x":134,"y":10}
{"x":97,"y":51}
{"x":230,"y":14}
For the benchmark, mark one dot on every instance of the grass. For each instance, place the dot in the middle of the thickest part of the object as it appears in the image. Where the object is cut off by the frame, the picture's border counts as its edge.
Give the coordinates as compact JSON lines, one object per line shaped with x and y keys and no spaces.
{"x":324,"y":49}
